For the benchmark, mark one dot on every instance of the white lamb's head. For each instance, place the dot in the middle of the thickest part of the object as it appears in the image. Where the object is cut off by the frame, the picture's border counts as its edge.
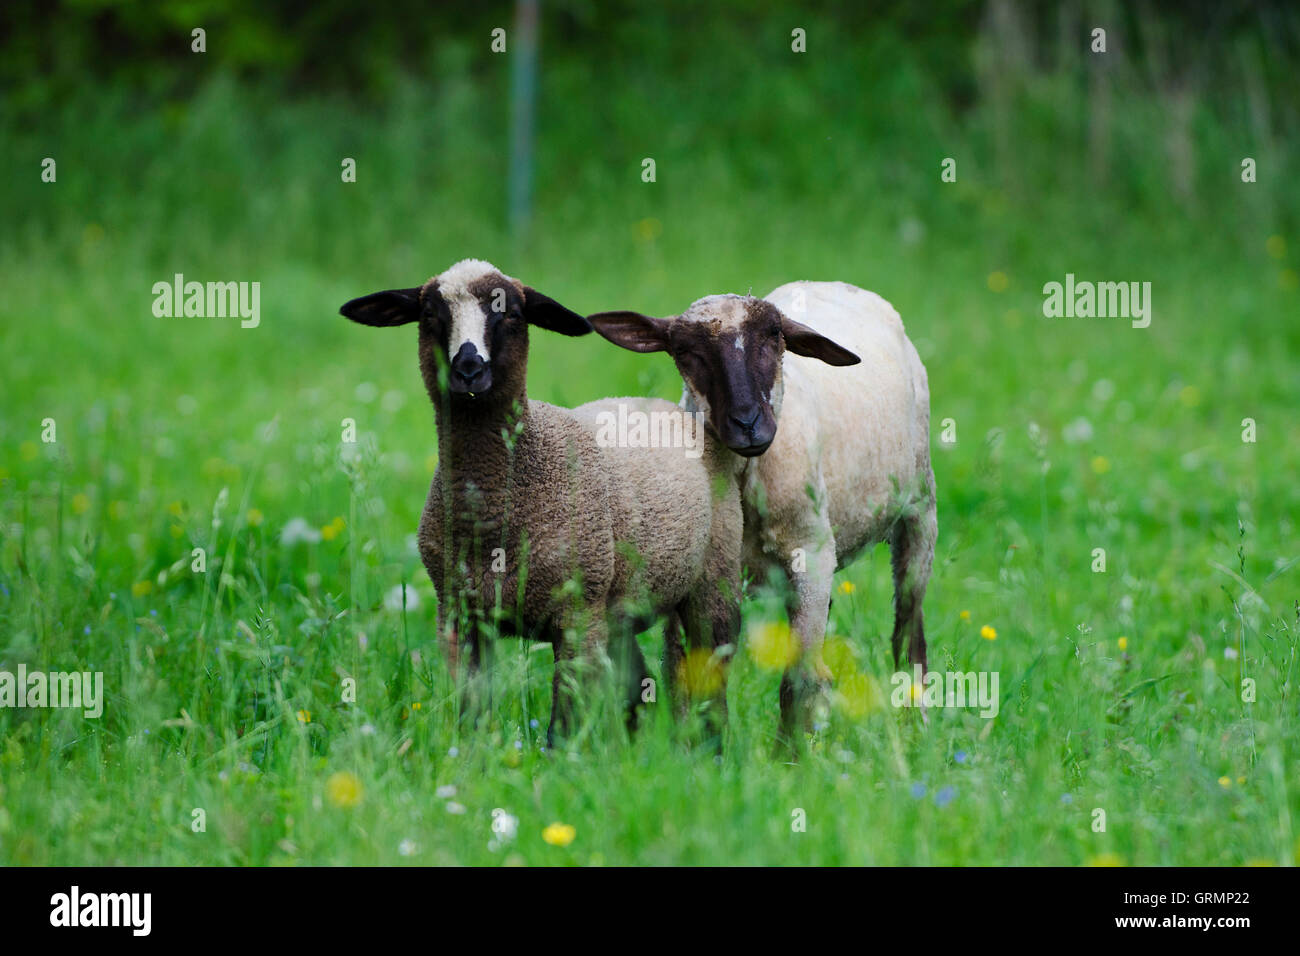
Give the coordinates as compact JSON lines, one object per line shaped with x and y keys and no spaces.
{"x":473,"y":322}
{"x":728,"y":349}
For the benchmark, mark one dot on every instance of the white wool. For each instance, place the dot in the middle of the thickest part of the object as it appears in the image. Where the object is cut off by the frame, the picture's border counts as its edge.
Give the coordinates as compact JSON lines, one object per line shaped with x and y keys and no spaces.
{"x":729,"y":311}
{"x":867,"y":423}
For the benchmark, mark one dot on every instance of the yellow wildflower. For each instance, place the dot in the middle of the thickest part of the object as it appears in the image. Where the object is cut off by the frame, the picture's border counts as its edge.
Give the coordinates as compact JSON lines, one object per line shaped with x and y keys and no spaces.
{"x":773,"y":646}
{"x":838,"y":657}
{"x":700,"y":673}
{"x":343,"y":789}
{"x":858,"y":695}
{"x":559,"y":834}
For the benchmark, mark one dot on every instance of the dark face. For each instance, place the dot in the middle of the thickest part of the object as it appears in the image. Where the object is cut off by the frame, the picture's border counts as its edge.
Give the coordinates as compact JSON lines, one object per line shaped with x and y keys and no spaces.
{"x":730,"y":360}
{"x":729,"y":350}
{"x":473,"y":330}
{"x":476,"y":331}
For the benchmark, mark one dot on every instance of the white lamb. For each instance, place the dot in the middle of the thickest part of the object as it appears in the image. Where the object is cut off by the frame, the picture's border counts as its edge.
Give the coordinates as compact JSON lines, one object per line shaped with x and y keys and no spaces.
{"x":849,"y":466}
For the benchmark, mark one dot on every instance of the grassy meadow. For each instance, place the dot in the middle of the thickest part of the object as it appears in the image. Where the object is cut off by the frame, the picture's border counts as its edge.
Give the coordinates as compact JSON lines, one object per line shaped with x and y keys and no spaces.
{"x":1120,"y":690}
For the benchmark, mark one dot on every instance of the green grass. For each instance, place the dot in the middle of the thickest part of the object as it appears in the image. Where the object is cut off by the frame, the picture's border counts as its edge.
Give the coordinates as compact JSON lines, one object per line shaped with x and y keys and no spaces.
{"x":174,"y":434}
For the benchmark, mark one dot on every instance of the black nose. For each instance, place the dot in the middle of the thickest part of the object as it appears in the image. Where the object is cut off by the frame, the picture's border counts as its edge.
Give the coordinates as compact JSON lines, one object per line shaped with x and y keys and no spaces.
{"x":467,"y":362}
{"x":744,"y":418}
{"x":469,"y":371}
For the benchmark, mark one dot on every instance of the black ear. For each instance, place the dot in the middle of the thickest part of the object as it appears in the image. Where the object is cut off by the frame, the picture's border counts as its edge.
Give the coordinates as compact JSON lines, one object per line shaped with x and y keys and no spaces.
{"x":545,"y":313}
{"x":394,"y":307}
{"x":632,"y":330}
{"x":802,"y":340}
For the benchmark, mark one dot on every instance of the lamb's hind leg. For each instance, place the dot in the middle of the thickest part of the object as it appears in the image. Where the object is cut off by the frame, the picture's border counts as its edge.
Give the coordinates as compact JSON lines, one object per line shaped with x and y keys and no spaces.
{"x":911,"y":552}
{"x":630,"y":668}
{"x":674,"y":660}
{"x":711,"y":618}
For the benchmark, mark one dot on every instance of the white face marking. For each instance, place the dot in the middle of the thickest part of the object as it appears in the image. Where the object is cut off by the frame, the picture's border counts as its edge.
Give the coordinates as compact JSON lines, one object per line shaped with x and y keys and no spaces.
{"x":740,"y":342}
{"x":468,"y":321}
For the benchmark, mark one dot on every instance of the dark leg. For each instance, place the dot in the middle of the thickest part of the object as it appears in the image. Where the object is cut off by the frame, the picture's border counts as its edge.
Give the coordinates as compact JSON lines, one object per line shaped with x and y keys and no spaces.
{"x":563,"y":690}
{"x":631,"y":667}
{"x":674,"y":660}
{"x":911,"y":552}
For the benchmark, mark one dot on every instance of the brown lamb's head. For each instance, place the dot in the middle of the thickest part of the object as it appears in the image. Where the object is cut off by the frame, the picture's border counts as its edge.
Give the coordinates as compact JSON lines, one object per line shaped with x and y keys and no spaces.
{"x":473,"y":323}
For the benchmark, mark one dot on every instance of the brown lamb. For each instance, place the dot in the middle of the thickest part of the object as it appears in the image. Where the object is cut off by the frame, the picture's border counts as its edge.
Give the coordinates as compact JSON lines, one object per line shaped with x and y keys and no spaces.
{"x":533,"y":526}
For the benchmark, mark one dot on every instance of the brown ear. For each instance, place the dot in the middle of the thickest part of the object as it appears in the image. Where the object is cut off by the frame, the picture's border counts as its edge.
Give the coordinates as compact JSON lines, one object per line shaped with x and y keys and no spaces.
{"x":545,"y":313}
{"x":632,"y":330}
{"x":394,"y":307}
{"x":802,"y":340}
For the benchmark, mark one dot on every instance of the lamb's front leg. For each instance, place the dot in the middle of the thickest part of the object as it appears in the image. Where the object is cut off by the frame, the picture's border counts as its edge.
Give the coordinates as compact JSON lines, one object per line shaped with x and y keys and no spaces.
{"x":465,"y":648}
{"x":581,"y":662}
{"x":805,"y":686}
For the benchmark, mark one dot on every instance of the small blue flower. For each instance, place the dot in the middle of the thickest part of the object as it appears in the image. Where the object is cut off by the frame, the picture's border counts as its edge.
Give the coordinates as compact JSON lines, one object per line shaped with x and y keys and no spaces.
{"x":959,"y":756}
{"x":453,"y":752}
{"x":86,"y":629}
{"x":533,"y":723}
{"x":944,"y":797}
{"x":1067,"y":798}
{"x":153,"y":612}
{"x":918,"y":790}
